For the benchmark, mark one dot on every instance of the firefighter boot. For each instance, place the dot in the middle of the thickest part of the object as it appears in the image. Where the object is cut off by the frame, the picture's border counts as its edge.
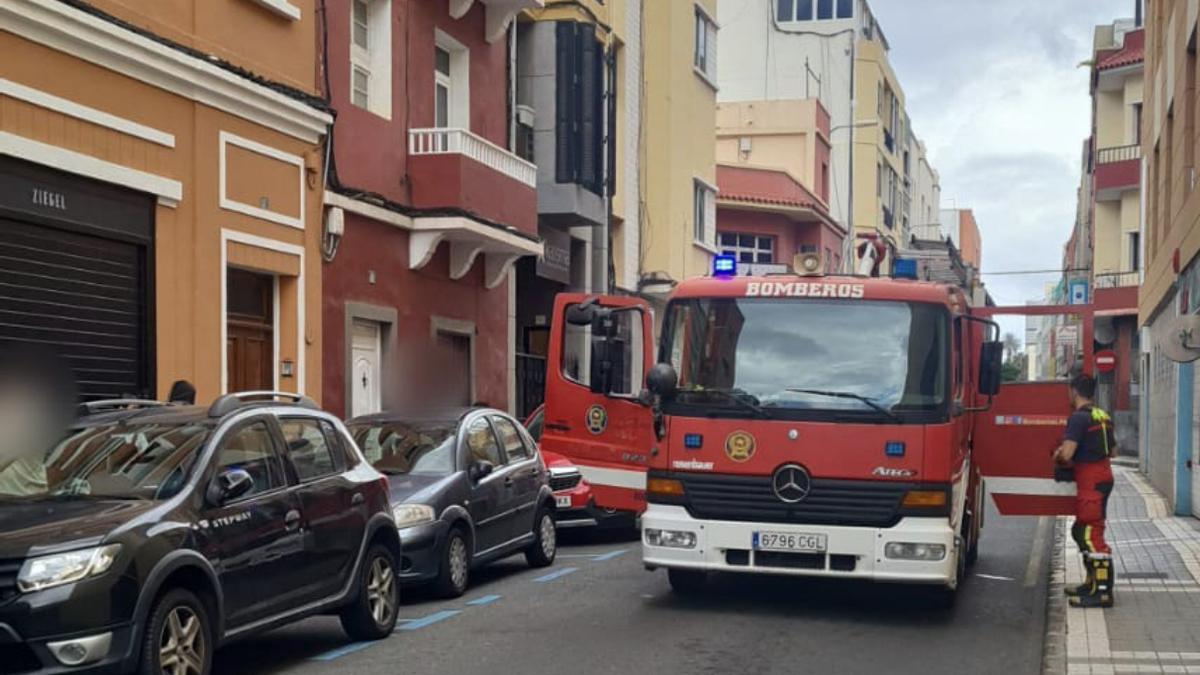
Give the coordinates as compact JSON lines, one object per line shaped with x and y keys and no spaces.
{"x":1101,"y":592}
{"x":1086,"y":586}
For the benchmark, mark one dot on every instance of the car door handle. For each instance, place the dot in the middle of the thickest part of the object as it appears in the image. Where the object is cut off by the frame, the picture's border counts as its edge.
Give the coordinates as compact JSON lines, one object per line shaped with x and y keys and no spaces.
{"x":292,"y":520}
{"x":357,"y":499}
{"x":508,"y":481}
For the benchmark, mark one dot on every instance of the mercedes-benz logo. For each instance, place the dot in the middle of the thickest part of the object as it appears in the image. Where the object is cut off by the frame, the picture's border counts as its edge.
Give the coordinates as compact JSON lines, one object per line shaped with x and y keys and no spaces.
{"x":791,"y":483}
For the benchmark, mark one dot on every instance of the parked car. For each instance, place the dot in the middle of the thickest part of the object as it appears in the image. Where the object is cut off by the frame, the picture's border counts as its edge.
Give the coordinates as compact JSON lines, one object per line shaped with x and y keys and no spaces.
{"x":576,"y":506}
{"x":469,"y":487}
{"x":163,"y":532}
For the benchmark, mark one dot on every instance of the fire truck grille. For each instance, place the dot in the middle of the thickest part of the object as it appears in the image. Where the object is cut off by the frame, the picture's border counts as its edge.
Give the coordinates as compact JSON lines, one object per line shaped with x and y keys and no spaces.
{"x":830,"y":502}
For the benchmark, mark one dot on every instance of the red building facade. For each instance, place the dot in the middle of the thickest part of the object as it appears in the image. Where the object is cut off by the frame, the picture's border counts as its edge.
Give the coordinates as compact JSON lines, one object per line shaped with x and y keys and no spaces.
{"x":427,"y":209}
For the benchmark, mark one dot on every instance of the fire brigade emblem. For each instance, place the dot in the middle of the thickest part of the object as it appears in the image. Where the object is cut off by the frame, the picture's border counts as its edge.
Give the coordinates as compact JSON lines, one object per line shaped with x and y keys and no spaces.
{"x":739,"y":446}
{"x":597,"y":419}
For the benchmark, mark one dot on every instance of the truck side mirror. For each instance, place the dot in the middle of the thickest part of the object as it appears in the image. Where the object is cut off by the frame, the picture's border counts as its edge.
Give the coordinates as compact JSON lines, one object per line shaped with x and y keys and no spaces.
{"x":582,"y":314}
{"x":991,"y":367}
{"x":662,"y":380}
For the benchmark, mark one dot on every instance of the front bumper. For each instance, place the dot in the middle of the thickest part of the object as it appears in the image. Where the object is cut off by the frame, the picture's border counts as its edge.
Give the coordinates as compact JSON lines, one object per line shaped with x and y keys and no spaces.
{"x":421,"y":551}
{"x":851,"y":552}
{"x":19,"y":656}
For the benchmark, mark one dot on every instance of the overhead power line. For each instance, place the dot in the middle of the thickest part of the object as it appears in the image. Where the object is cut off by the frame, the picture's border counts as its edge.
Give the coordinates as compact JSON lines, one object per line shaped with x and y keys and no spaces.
{"x":1014,"y":272}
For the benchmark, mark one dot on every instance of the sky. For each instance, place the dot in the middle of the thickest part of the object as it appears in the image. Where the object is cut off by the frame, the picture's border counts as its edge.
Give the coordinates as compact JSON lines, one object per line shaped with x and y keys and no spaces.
{"x":994,"y":89}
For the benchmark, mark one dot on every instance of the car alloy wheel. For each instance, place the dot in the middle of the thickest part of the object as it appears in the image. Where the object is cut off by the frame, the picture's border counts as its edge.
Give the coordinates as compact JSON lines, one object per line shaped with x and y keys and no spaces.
{"x":548,"y":535}
{"x":458,"y":562}
{"x":181,"y":645}
{"x":381,"y":595}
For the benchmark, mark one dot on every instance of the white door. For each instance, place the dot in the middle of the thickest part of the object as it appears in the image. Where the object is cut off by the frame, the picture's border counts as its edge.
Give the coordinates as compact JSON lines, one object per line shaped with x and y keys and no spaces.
{"x":366,"y":372}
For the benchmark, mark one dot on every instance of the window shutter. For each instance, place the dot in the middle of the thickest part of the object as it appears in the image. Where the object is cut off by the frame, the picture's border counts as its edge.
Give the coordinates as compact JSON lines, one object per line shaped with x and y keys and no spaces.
{"x":610,"y":143}
{"x":710,"y":216}
{"x":591,"y":107}
{"x":710,"y":49}
{"x":564,"y":103}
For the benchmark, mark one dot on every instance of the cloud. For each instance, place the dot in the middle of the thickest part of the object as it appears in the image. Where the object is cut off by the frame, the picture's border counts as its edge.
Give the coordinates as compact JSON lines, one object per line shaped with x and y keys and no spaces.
{"x":995,"y":91}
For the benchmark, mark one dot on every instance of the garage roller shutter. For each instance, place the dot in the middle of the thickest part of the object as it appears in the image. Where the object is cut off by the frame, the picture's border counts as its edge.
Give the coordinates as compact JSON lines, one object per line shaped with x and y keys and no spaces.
{"x":82,"y":295}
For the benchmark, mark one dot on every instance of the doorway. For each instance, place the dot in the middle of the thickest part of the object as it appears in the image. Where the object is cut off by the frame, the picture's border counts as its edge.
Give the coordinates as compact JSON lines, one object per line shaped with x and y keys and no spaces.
{"x":457,"y":348}
{"x":366,"y":360}
{"x":250,"y":319}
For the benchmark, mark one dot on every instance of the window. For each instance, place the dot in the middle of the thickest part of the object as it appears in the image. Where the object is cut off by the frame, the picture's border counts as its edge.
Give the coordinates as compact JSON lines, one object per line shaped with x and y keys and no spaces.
{"x":370,"y":56}
{"x":307,"y":448}
{"x":1135,"y":253}
{"x":251,"y":448}
{"x":705,"y":55}
{"x":481,"y":443}
{"x":704,"y":207}
{"x":402,"y":447}
{"x":514,"y":445}
{"x":579,"y":106}
{"x":748,"y":248}
{"x":803,"y":10}
{"x":441,"y":88}
{"x":627,"y":347}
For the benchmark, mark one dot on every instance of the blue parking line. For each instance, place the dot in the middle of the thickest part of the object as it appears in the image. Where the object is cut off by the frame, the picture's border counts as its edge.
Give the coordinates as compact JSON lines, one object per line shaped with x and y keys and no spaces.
{"x":341,"y":651}
{"x":556,"y":574}
{"x":484,"y":600}
{"x":610,"y":555}
{"x":424,"y":621}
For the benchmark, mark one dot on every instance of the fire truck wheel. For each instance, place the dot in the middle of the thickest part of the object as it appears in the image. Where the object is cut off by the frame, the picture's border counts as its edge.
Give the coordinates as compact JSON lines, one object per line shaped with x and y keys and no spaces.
{"x":686,"y":582}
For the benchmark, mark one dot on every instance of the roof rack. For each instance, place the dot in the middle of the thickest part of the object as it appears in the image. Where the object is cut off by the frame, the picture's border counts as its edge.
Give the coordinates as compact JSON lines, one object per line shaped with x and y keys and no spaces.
{"x":114,"y":404}
{"x":230,"y":402}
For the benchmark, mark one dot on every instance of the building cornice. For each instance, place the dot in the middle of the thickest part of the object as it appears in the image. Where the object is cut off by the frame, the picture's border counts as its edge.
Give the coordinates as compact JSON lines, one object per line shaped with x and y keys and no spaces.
{"x":95,"y":39}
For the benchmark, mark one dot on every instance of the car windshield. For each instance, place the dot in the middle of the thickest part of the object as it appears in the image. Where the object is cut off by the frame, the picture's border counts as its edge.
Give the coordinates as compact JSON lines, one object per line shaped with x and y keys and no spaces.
{"x":113,"y":461}
{"x":781,"y":357}
{"x":408,"y":447}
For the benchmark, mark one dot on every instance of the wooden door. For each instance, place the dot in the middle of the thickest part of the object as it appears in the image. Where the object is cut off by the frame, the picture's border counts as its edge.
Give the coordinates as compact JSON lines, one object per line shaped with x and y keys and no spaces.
{"x":250,"y":333}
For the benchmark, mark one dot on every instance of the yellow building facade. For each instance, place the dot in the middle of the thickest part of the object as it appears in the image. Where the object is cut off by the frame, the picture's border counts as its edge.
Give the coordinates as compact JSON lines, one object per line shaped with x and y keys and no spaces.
{"x":880,"y":133}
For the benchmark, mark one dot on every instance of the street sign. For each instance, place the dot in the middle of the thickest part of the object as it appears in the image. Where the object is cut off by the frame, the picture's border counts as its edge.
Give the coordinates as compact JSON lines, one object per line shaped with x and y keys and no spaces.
{"x":1078,"y":292}
{"x":1106,"y":361}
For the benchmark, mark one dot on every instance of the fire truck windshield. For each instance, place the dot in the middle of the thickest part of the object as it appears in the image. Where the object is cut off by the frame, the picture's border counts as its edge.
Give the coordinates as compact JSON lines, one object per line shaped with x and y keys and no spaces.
{"x":885,"y":361}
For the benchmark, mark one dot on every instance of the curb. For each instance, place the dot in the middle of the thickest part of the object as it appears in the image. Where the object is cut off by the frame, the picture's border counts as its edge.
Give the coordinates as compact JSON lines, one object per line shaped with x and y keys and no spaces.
{"x":1054,"y":646}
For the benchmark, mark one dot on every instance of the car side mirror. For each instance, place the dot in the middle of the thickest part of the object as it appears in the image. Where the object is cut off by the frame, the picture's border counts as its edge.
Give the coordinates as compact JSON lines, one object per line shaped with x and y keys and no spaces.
{"x":662,"y":380}
{"x":229,"y":485}
{"x":480,"y":470}
{"x":991,"y":367}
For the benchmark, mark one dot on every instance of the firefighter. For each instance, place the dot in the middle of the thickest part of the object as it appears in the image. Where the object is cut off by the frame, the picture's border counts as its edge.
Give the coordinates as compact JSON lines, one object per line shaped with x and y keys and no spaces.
{"x":1087,"y":446}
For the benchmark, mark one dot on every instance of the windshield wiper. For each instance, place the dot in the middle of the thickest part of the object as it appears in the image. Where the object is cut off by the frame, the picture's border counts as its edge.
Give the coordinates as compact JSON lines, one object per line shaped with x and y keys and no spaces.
{"x":856,"y":397}
{"x":739,"y":398}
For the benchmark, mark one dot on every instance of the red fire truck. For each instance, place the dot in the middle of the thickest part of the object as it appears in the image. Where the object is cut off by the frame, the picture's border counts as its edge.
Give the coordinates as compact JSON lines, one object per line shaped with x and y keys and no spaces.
{"x":804,"y":424}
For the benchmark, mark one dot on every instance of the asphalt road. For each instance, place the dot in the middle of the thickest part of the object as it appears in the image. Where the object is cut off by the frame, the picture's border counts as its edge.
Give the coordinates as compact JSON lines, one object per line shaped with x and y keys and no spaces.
{"x":597,"y":611}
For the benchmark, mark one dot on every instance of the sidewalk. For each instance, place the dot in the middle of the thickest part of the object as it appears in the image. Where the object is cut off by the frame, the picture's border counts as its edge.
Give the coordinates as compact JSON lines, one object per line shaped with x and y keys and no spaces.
{"x":1155,"y":625}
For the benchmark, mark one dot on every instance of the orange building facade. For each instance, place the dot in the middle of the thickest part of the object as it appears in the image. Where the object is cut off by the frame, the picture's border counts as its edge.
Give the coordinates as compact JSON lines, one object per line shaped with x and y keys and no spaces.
{"x":162,"y":173}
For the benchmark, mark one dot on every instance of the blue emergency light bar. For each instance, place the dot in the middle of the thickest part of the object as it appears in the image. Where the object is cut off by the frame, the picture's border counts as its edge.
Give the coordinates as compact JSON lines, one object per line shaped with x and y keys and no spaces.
{"x":904,"y":268}
{"x":724,"y":266}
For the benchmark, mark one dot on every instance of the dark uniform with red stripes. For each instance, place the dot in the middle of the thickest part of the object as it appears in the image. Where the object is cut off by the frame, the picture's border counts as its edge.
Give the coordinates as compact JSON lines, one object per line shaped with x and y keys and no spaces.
{"x":1092,"y":431}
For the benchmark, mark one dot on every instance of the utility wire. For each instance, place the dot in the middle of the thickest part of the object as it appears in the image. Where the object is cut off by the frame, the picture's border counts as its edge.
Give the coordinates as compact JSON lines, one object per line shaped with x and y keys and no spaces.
{"x":1014,"y":272}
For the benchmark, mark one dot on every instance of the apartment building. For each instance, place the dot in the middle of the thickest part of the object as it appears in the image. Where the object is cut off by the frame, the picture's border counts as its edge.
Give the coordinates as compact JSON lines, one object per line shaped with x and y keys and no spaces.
{"x":1171,"y":244}
{"x":428,"y":205}
{"x":834,"y":51}
{"x":160,"y":191}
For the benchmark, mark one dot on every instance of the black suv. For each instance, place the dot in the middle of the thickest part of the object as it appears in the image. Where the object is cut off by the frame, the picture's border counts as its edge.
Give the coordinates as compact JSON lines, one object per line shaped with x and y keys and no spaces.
{"x":469,"y":487}
{"x":153,"y":534}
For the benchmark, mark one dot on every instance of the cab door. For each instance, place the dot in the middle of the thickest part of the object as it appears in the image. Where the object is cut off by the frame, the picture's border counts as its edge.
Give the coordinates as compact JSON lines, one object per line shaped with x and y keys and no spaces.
{"x":1015,"y":438}
{"x":601,"y":348}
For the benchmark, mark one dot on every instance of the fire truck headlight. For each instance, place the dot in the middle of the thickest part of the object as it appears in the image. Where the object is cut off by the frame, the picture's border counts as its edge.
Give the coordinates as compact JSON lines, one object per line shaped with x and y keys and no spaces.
{"x":897,"y":550}
{"x":670,"y":538}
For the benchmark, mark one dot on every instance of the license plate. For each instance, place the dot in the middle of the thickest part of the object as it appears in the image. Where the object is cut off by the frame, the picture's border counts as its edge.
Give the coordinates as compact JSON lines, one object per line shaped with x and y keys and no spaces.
{"x":789,"y":541}
{"x":563,"y":501}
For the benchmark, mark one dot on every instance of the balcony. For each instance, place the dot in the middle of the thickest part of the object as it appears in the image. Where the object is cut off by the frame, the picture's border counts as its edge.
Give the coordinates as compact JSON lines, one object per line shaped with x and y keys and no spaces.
{"x":1116,"y":292}
{"x":1117,"y":169}
{"x":455,"y":169}
{"x":500,"y":13}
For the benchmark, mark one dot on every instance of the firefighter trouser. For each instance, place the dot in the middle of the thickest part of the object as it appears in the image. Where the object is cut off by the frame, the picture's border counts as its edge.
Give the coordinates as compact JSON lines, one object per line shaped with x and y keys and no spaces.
{"x":1093,"y":485}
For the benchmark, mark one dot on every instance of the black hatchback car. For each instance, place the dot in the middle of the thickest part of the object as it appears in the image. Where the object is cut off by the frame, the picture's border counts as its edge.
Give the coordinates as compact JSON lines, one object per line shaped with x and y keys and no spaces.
{"x":468,"y":487}
{"x":153,"y":534}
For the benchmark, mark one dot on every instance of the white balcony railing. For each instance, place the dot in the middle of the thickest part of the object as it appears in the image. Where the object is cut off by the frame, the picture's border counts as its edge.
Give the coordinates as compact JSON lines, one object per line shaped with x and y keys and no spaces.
{"x":463,"y":142}
{"x":1117,"y":279}
{"x":1118,"y":153}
